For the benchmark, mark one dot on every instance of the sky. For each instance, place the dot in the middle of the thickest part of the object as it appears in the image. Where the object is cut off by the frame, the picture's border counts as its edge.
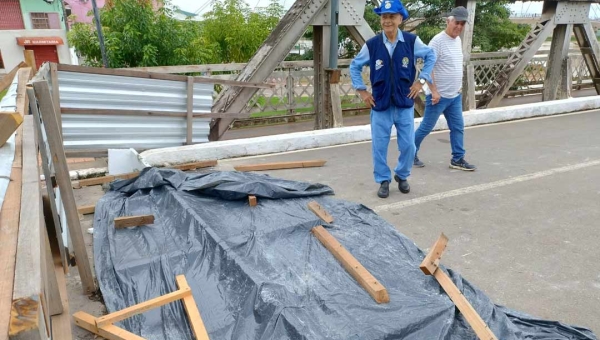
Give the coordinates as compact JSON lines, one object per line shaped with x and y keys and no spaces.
{"x":531,"y":7}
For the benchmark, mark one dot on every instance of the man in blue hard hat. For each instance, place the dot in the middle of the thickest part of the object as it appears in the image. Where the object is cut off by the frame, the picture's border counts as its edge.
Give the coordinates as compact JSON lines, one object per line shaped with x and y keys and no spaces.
{"x":391,"y":57}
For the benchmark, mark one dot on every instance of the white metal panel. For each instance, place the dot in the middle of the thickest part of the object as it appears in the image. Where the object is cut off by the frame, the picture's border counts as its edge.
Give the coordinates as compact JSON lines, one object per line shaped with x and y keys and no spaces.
{"x":100,"y":132}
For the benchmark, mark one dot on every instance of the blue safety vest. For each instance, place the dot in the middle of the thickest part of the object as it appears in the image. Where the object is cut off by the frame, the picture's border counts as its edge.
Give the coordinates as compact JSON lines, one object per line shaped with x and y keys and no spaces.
{"x":391,"y":78}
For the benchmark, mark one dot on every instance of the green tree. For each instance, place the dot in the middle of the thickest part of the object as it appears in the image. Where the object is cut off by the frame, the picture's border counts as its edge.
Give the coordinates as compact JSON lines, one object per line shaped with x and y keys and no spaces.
{"x":237,"y":30}
{"x":493,"y":30}
{"x":140,"y":33}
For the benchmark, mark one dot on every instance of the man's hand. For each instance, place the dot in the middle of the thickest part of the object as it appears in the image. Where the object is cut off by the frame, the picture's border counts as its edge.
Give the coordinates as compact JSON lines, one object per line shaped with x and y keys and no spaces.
{"x":367,"y":97}
{"x":414,"y":90}
{"x":435,"y":97}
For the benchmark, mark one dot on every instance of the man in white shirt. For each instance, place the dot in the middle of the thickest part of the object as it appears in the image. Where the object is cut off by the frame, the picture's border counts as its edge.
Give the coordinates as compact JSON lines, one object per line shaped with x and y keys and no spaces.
{"x":444,"y":94}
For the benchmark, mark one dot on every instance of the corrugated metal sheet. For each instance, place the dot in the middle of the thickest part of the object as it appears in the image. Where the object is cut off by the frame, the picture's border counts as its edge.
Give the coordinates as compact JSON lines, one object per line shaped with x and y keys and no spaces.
{"x":99,"y":132}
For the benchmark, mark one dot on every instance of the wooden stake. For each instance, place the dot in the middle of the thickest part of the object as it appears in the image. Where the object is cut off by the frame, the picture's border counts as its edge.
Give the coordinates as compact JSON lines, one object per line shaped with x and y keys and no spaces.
{"x":133,"y":221}
{"x":9,"y":122}
{"x":429,"y":266}
{"x":280,"y":165}
{"x":192,"y":310}
{"x":320,"y":212}
{"x":358,"y":272}
{"x":252,"y":200}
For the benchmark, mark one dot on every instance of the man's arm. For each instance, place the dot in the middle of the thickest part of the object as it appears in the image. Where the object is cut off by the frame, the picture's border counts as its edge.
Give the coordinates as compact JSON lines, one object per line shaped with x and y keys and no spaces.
{"x":429,"y":57}
{"x":356,"y":66}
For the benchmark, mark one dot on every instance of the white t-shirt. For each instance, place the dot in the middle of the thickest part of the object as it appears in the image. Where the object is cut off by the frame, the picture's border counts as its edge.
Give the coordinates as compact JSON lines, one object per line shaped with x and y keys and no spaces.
{"x":448,"y":69}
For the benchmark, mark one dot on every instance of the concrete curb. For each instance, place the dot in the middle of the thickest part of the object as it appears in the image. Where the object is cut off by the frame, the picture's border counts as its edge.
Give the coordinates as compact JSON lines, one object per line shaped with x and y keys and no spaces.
{"x":336,"y":136}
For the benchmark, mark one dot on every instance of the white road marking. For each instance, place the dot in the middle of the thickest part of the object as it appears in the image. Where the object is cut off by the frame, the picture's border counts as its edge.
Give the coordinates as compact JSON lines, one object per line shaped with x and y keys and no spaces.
{"x":483,"y":187}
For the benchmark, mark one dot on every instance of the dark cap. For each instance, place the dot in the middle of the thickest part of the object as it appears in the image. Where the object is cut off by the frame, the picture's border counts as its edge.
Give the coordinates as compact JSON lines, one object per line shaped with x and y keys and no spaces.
{"x":460,"y":14}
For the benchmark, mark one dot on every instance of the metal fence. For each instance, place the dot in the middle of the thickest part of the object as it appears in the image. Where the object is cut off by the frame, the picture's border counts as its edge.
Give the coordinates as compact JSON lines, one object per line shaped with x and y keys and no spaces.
{"x":294,"y":81}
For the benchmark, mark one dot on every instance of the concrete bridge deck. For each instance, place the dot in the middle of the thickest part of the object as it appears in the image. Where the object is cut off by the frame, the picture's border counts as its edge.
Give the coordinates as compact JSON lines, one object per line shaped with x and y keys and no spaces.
{"x":524,"y":228}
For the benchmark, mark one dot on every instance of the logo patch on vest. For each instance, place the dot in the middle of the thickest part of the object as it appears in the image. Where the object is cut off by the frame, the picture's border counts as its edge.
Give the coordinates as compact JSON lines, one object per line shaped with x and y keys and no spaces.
{"x":405,"y":62}
{"x":378,"y":64}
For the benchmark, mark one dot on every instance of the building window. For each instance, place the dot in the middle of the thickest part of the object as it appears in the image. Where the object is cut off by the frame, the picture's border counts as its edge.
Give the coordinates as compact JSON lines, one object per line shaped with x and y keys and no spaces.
{"x":44,"y":21}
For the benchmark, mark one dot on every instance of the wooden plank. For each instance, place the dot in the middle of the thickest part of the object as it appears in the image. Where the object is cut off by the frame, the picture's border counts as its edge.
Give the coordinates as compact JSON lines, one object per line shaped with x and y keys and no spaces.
{"x":61,"y":323}
{"x":190,"y":111}
{"x":22,"y":99}
{"x":252,"y":200}
{"x":9,"y":122}
{"x":280,"y":165}
{"x":28,"y":281}
{"x":29,"y":56}
{"x":55,"y":300}
{"x":55,"y":94}
{"x":110,"y":332}
{"x":42,"y":93}
{"x":107,"y":179}
{"x":111,"y":112}
{"x":320,"y":212}
{"x":133,"y":221}
{"x":463,"y":305}
{"x":50,"y":180}
{"x":336,"y":105}
{"x":192,"y":310}
{"x":432,"y":259}
{"x":194,"y":165}
{"x":125,"y":313}
{"x":86,"y":209}
{"x":10,"y":76}
{"x":470,"y":81}
{"x":358,"y":272}
{"x":9,"y":229}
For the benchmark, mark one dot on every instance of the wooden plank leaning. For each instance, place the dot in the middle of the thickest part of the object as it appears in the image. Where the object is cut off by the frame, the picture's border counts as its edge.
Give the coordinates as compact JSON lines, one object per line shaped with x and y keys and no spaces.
{"x":48,"y":117}
{"x":33,"y":106}
{"x":35,"y":292}
{"x":430,"y":266}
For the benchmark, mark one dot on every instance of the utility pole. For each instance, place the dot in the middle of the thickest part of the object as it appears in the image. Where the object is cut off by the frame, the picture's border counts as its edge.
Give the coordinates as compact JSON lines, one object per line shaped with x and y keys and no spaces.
{"x":100,"y":35}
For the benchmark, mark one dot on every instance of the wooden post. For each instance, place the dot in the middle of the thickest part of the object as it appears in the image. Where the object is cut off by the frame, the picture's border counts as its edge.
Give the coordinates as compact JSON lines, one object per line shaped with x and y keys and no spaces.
{"x":333,"y":78}
{"x":50,"y":122}
{"x":467,"y":45}
{"x":320,"y":212}
{"x":471,"y":100}
{"x":289,"y":84}
{"x":430,"y":266}
{"x":190,"y":111}
{"x":30,"y":59}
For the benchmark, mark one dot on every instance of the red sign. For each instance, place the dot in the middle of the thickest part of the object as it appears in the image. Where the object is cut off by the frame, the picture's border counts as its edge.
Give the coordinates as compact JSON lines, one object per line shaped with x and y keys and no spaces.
{"x":26,"y":41}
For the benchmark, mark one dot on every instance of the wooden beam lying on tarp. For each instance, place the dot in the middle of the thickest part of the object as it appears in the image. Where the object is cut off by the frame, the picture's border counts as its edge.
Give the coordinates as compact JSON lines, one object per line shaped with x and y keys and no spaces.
{"x":430,"y":266}
{"x":133,"y":221}
{"x":358,"y":272}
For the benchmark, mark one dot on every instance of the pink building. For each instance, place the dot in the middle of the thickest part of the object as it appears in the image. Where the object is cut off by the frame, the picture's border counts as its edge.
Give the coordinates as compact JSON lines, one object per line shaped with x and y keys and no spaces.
{"x":80,"y":9}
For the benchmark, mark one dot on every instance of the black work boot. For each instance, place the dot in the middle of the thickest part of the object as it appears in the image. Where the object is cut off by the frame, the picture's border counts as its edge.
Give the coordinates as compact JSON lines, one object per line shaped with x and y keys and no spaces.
{"x":402,"y":185}
{"x":384,"y":190}
{"x":417,"y":163}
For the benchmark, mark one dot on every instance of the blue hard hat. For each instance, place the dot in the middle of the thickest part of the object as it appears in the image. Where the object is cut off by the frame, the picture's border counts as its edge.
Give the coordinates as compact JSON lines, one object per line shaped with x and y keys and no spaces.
{"x":392,"y":6}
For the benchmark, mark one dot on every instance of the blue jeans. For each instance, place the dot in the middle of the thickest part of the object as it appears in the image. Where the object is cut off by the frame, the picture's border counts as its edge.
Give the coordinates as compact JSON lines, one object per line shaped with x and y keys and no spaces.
{"x":381,"y":129}
{"x":452,"y":109}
